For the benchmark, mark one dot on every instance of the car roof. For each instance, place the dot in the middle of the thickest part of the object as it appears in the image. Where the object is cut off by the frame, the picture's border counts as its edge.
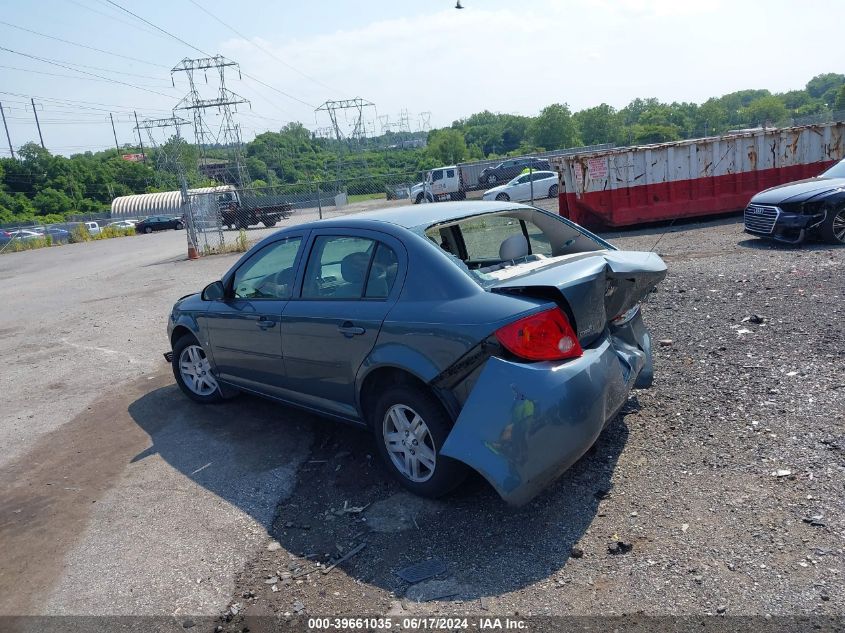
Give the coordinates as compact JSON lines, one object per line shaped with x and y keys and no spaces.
{"x":419,"y":216}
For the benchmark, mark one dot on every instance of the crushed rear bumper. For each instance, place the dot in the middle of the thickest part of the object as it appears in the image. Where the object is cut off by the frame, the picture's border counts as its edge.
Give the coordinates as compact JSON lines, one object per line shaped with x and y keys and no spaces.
{"x":524,"y":424}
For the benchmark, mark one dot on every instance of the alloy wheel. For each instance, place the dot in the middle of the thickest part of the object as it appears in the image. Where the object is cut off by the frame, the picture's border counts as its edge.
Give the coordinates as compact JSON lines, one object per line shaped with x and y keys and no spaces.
{"x":409,"y":443}
{"x":196,"y":371}
{"x":839,"y":226}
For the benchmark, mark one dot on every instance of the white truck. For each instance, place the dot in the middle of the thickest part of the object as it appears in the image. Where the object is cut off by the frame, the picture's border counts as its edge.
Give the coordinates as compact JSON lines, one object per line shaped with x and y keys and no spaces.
{"x":441,"y":183}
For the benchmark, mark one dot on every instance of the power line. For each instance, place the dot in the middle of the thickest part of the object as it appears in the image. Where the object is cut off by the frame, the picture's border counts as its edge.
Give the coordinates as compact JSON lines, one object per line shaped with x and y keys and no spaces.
{"x":91,"y":48}
{"x":85,"y":72}
{"x":42,"y":72}
{"x":87,"y":106}
{"x":158,"y":28}
{"x":189,"y":45}
{"x":113,"y":17}
{"x":258,"y":46}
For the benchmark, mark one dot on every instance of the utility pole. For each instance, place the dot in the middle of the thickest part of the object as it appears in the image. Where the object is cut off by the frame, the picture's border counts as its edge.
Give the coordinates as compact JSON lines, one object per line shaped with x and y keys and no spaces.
{"x":140,"y":141}
{"x":8,"y":138}
{"x":37,"y":124}
{"x":116,"y":145}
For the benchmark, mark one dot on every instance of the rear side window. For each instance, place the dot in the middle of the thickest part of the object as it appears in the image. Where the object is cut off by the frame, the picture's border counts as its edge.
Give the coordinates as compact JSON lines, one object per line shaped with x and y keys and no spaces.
{"x":347,"y":267}
{"x":450,"y":173}
{"x":484,"y":236}
{"x":382,"y":273}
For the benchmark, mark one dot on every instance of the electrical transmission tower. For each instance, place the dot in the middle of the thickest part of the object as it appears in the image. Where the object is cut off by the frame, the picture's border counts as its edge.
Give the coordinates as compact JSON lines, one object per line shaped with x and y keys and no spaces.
{"x":424,"y":122}
{"x":227,"y":133}
{"x":352,"y":131}
{"x":356,"y":107}
{"x":404,"y":121}
{"x":384,"y":120}
{"x":165,"y":160}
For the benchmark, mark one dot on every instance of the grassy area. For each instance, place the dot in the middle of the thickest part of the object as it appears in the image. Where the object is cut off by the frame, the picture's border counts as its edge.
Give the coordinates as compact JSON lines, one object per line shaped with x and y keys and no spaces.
{"x":360,"y":197}
{"x":78,"y":234}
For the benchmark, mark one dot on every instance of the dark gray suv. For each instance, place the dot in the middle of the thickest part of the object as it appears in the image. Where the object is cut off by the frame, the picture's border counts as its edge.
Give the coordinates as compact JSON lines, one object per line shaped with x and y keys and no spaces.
{"x":510,"y":168}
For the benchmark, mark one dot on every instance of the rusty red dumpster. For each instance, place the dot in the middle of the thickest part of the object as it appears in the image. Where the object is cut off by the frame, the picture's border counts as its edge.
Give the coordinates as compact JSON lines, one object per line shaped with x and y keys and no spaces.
{"x":699,"y":177}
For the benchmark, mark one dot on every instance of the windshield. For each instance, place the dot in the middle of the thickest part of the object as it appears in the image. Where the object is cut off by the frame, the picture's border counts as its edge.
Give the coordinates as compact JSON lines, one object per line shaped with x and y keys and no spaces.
{"x":837,"y":171}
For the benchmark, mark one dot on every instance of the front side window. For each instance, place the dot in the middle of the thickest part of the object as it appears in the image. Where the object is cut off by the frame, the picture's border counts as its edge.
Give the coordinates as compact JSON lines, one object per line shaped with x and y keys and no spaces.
{"x":268,"y":274}
{"x":437,"y":175}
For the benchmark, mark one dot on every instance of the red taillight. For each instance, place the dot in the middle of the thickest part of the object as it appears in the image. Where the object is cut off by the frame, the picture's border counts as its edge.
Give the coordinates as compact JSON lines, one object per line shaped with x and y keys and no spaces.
{"x":542,"y":336}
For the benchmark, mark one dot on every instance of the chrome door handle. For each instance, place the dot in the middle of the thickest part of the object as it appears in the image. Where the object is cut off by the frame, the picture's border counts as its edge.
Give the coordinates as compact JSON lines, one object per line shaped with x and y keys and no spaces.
{"x":349,"y":330}
{"x":265,"y":324}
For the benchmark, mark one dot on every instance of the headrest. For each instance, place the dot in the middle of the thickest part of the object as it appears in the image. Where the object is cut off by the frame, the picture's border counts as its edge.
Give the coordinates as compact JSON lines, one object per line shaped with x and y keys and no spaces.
{"x":514,"y":247}
{"x":353,"y":267}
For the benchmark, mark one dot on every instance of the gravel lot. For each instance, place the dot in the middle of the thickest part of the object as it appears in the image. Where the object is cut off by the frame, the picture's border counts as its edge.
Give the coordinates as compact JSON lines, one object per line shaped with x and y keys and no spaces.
{"x":684,"y":477}
{"x":123,"y":497}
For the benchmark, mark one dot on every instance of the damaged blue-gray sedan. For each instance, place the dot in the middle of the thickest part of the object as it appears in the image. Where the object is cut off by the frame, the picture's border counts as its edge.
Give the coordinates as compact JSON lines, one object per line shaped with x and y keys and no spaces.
{"x":492,"y":336}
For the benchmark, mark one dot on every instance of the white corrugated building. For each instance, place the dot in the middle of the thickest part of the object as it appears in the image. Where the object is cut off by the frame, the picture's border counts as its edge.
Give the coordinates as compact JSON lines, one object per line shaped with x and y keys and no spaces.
{"x":162,"y":203}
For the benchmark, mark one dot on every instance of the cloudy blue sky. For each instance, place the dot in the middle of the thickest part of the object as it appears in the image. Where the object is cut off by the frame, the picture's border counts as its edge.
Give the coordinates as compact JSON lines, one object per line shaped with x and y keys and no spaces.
{"x":422,"y":56}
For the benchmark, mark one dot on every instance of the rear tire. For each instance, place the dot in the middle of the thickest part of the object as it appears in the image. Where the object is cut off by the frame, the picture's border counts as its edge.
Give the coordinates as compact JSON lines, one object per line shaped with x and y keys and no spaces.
{"x":179,"y":226}
{"x":410,"y":427}
{"x":553,"y":191}
{"x":148,"y":230}
{"x":503,"y":197}
{"x":268,"y":223}
{"x":189,"y":362}
{"x":419,"y":198}
{"x":833,"y":228}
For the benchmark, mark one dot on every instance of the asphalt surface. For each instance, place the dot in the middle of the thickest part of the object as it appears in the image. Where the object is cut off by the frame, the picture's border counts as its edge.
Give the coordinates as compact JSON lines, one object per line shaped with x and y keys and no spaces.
{"x":120,"y":496}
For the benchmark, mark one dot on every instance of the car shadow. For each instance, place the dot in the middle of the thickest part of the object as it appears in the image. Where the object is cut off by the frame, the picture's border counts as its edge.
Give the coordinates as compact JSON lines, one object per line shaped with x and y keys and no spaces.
{"x":756,"y":243}
{"x":341,"y":495}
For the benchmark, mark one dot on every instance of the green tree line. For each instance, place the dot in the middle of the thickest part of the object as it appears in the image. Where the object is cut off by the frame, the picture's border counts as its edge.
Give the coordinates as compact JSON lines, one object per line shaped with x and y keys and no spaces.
{"x":41,"y":187}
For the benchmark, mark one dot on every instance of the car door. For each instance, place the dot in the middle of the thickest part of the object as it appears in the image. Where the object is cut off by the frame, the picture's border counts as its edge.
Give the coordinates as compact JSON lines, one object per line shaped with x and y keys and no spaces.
{"x":245,"y":327}
{"x":350,"y":280}
{"x":521,"y":188}
{"x":437,"y":184}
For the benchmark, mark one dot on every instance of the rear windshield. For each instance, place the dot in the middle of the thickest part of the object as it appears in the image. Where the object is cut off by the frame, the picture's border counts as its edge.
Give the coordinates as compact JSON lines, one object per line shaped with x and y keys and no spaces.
{"x":492,"y":246}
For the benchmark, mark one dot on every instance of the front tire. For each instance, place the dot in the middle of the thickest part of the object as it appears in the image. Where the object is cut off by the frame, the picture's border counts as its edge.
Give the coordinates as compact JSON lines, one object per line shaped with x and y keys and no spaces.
{"x":179,"y":226}
{"x":410,"y":427}
{"x":553,"y":191}
{"x":269,"y":223}
{"x":833,"y":228}
{"x":503,"y":197}
{"x":148,"y":230}
{"x":193,"y":372}
{"x":492,"y":179}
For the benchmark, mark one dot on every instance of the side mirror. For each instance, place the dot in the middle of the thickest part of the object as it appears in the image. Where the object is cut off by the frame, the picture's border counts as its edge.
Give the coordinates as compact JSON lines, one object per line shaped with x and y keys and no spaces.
{"x":213,"y":291}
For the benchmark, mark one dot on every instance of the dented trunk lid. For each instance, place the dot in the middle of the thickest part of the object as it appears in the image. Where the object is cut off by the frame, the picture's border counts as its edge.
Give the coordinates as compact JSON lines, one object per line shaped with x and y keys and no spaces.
{"x":596,"y":287}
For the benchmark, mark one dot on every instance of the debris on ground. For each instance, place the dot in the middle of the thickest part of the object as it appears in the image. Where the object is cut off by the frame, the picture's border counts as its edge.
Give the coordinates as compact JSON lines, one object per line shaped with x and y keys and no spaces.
{"x":348,"y":509}
{"x":666,"y":342}
{"x":432,"y":590}
{"x":816,"y":520}
{"x":398,"y":512}
{"x":576,"y":552}
{"x":619,"y":547}
{"x":422,"y":570}
{"x":345,"y":557}
{"x":755,"y":319}
{"x":781,"y":472}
